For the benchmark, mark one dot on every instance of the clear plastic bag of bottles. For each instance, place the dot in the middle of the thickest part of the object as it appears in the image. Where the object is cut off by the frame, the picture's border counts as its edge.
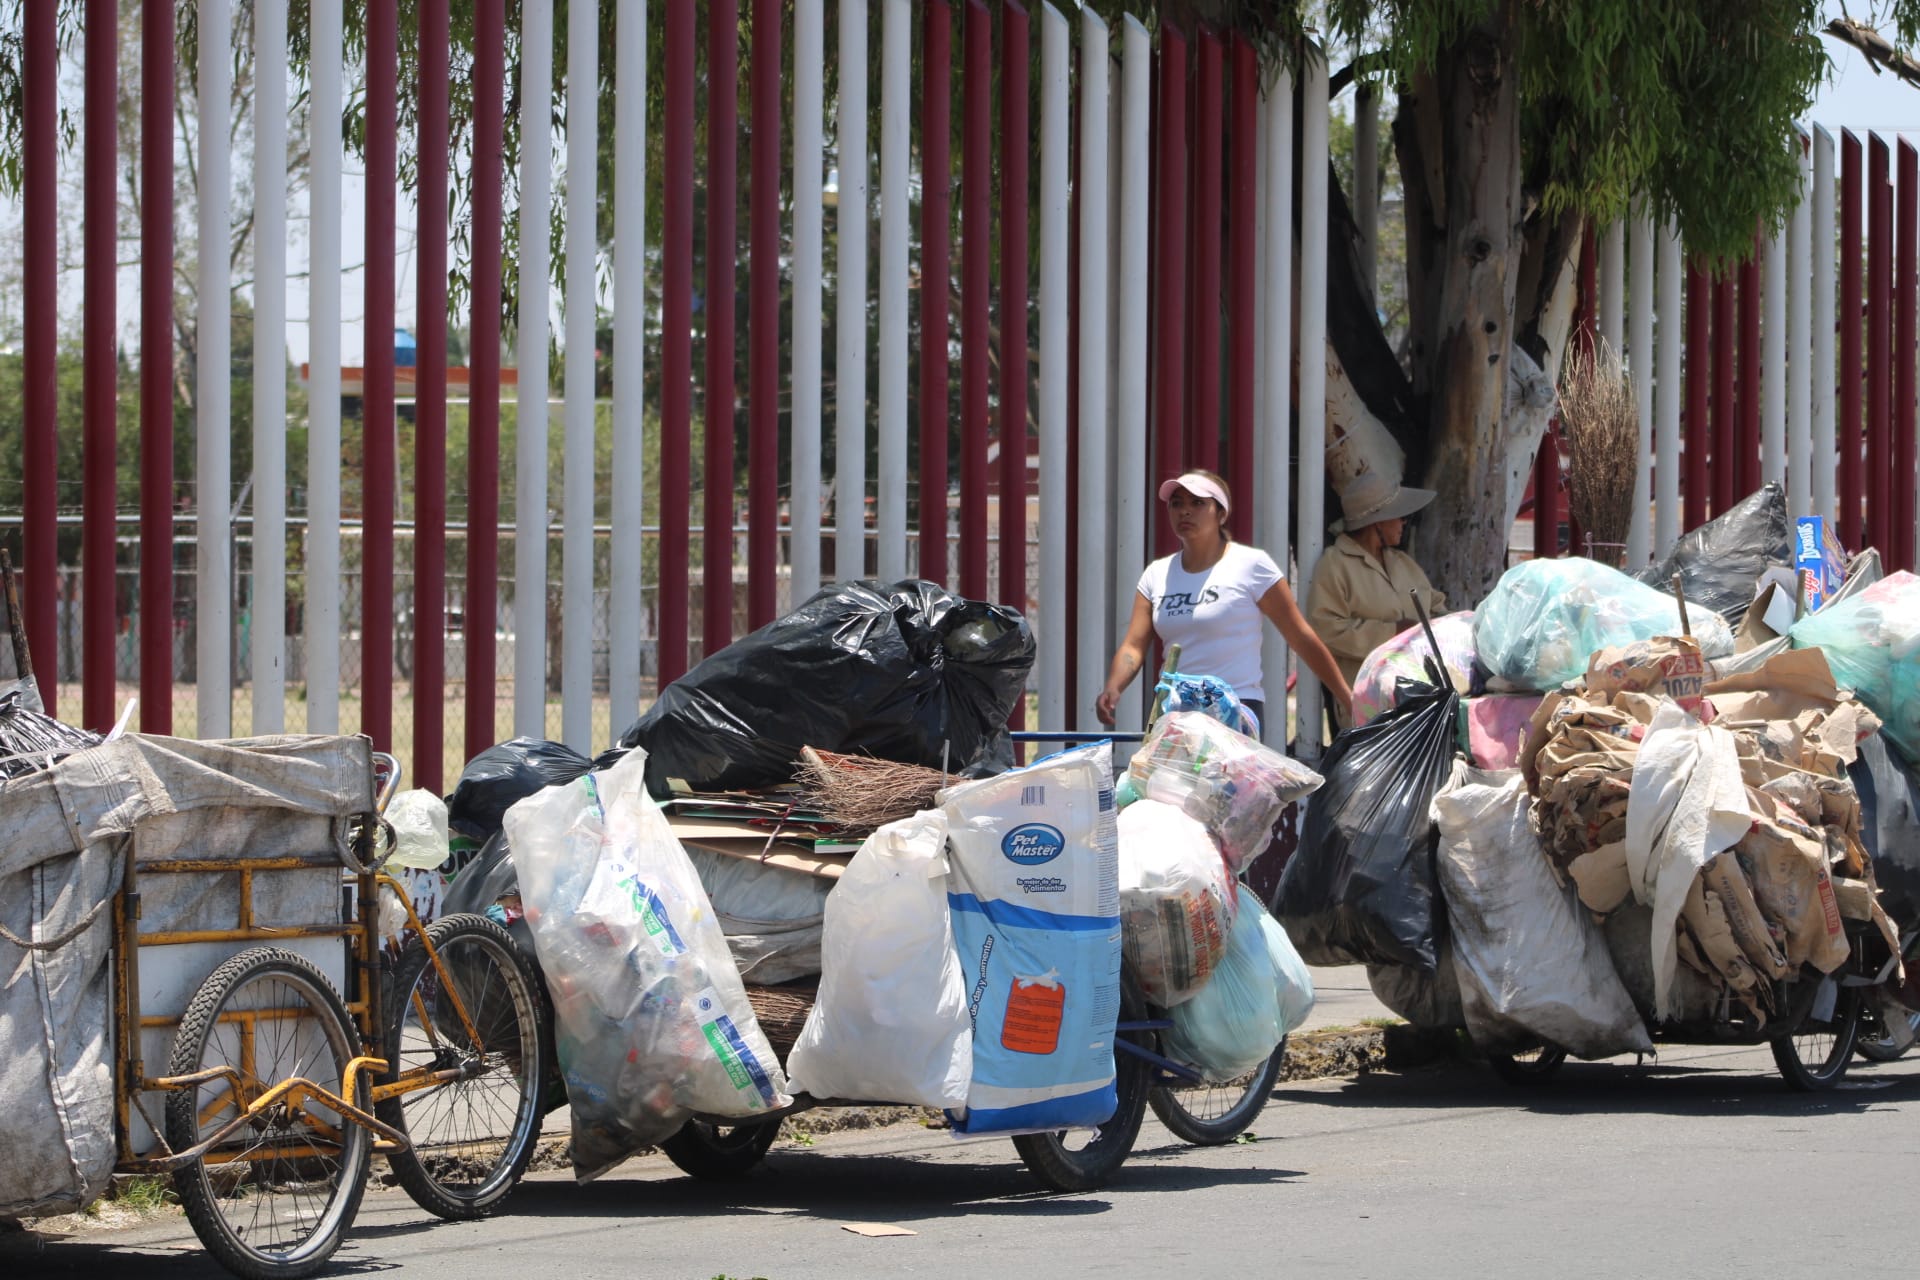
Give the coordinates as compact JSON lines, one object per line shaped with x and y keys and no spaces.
{"x":651,"y":1020}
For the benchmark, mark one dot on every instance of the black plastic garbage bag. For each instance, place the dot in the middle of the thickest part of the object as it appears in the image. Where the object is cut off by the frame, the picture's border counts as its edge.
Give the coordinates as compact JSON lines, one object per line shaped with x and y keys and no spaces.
{"x":1720,"y":561}
{"x":1890,"y":826}
{"x":1362,"y":889}
{"x":894,"y":672}
{"x":481,"y":885}
{"x":501,"y":776}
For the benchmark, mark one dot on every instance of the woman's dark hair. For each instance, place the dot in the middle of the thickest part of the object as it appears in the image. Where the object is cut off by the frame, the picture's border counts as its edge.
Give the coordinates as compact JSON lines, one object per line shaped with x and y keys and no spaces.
{"x":1225,"y":532}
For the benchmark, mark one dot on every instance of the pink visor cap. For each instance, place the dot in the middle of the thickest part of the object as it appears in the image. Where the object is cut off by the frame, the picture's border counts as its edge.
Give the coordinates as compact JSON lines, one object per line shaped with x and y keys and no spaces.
{"x":1197,"y":485}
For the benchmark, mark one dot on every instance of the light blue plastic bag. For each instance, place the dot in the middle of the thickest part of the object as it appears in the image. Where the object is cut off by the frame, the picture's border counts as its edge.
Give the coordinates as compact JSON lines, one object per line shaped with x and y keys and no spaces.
{"x":1545,"y":618}
{"x":1034,"y":893}
{"x":1260,"y":993}
{"x":1872,"y":642}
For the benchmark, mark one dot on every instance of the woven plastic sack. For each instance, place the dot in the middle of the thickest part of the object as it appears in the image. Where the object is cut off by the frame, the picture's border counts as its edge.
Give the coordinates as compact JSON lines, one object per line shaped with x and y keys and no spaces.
{"x":1207,"y":694}
{"x":1546,"y":618}
{"x":1262,"y":992}
{"x":1035,"y":896}
{"x":1376,"y":689}
{"x":1229,"y":783}
{"x":1176,"y":901}
{"x":650,"y":1017}
{"x":1872,"y":642}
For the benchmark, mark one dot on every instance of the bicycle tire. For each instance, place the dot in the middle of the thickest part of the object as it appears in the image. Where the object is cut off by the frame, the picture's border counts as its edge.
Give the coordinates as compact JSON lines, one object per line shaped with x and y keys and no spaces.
{"x":1879,"y":1047}
{"x":1530,"y":1068}
{"x":1066,"y":1168}
{"x":471,"y":1138}
{"x":316,"y":1044}
{"x":1200,"y":1126}
{"x":1791,"y":1053}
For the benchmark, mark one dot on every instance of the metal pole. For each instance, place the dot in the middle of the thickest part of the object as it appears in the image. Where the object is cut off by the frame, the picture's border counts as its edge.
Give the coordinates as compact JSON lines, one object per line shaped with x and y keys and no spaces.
{"x":99,"y":407}
{"x":156,"y":357}
{"x":1313,"y":364}
{"x":809,"y":76}
{"x":896,"y":91}
{"x":1668,"y":381}
{"x":483,"y":408}
{"x":716,"y":556}
{"x":763,"y":324}
{"x":1015,"y":145}
{"x":40,"y":390}
{"x":850,"y":300}
{"x":976,"y":232}
{"x":1243,"y":282}
{"x":1056,"y":365}
{"x":1800,"y":345}
{"x":1641,"y":250}
{"x":1824,"y":498}
{"x":1130,"y":322}
{"x":676,"y":346}
{"x":1094,"y":474}
{"x":936,"y":274}
{"x":213,"y":423}
{"x":377,"y":545}
{"x":1170,"y":273}
{"x":1275,"y":454}
{"x":1203,"y":328}
{"x":430,"y":408}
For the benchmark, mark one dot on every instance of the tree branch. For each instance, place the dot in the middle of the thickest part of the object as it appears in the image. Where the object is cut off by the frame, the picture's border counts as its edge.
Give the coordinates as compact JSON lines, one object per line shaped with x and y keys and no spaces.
{"x":1879,"y":52}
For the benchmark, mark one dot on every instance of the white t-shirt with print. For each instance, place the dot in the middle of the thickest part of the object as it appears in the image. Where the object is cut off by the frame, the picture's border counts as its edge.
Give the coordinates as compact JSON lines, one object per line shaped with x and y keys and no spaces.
{"x":1214,"y":615}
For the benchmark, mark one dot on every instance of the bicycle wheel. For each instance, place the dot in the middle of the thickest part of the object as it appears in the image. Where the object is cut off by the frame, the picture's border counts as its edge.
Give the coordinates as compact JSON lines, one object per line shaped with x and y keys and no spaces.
{"x":1880,"y":1045}
{"x":1815,"y":1058}
{"x":1207,"y":1114}
{"x":473,"y":1134}
{"x":1082,"y":1161}
{"x":274,"y":1200}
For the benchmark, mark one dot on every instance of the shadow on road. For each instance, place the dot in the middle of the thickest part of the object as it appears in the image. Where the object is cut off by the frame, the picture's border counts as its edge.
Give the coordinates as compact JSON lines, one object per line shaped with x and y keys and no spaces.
{"x":1616,"y":1087}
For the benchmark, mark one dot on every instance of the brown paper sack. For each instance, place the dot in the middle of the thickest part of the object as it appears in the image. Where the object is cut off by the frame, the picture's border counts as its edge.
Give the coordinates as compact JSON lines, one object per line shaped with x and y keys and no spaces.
{"x":1789,"y":875}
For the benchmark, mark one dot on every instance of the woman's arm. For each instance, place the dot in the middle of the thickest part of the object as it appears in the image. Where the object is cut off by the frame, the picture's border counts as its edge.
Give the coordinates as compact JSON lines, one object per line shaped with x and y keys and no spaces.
{"x":1281,"y":609}
{"x":1127,"y":659}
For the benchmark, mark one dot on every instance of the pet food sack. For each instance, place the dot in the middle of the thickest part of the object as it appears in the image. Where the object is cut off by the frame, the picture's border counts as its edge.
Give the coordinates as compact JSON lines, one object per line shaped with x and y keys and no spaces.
{"x":890,"y":1022}
{"x":1176,"y":901}
{"x":650,"y":1018}
{"x":1035,"y":897}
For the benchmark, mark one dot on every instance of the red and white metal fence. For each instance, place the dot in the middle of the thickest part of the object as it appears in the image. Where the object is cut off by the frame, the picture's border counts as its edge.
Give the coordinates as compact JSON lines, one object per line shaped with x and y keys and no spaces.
{"x":1127,"y":278}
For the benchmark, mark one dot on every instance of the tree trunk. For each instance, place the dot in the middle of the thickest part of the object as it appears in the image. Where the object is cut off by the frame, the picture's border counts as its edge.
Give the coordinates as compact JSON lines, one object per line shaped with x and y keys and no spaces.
{"x":1477,"y":193}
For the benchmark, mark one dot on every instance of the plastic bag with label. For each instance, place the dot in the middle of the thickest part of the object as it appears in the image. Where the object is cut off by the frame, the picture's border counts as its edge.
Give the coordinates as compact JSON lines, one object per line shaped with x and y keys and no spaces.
{"x":651,"y":1019}
{"x":1234,"y":786}
{"x":1176,"y":901}
{"x":1872,"y":642}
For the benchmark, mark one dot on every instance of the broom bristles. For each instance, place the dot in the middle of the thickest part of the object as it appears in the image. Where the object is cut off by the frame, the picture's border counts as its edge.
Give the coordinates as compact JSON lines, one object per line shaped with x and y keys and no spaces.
{"x":1602,"y":428}
{"x":860,"y":793}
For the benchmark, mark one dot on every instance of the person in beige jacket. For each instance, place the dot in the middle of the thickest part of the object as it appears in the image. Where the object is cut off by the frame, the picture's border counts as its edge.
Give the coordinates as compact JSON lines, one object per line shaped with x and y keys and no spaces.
{"x":1360,"y":597}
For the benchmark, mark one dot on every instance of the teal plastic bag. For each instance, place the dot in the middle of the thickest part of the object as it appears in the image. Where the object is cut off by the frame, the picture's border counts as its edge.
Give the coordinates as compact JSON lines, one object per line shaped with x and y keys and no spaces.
{"x":1872,"y":642}
{"x":1545,"y":618}
{"x":1260,"y":992}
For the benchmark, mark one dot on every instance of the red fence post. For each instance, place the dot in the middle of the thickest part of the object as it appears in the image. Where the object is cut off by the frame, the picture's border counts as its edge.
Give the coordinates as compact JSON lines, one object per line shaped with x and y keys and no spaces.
{"x":1747,"y":440}
{"x":723,"y":144}
{"x":379,"y":443}
{"x":156,"y":368}
{"x":430,"y":410}
{"x":1899,"y":546}
{"x":100,"y":433}
{"x":763,"y":325}
{"x":483,"y":403}
{"x":1847,"y":428}
{"x":936,"y":271}
{"x":1698,"y":436}
{"x":976,"y":246}
{"x":676,"y":345}
{"x":1203,"y":331}
{"x":1015,"y":148}
{"x":1170,"y":271}
{"x":1241,"y":285}
{"x":1876,"y":487}
{"x":40,"y":394}
{"x":1725,"y":419}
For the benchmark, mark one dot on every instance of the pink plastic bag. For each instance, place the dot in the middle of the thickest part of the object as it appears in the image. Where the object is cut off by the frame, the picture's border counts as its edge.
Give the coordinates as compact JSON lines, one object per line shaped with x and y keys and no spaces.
{"x":1497,"y":728}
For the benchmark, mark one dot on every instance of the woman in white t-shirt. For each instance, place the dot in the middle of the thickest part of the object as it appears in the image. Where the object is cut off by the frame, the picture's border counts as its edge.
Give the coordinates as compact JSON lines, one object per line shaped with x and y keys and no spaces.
{"x":1209,"y":598}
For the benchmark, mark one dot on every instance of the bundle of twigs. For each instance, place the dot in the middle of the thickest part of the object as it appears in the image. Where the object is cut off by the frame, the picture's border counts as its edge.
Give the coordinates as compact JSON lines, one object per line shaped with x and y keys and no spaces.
{"x":859,"y":793}
{"x":1602,"y":428}
{"x":30,"y":741}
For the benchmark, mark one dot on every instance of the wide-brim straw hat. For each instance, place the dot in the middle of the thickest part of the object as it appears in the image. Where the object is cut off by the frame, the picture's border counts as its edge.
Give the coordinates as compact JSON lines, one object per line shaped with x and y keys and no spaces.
{"x":1371,"y":497}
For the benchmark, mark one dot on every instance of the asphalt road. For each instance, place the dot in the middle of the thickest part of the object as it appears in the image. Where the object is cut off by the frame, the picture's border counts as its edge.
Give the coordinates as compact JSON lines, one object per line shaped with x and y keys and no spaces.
{"x":1701,"y":1165}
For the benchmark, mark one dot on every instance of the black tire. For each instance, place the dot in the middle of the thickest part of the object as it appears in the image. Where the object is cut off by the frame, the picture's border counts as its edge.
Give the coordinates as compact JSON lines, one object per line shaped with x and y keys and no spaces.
{"x":1815,"y":1057}
{"x":1878,"y":1046}
{"x":471,"y":1137}
{"x":262,"y":1214}
{"x":720,"y":1152}
{"x":1530,"y":1068}
{"x":1065,"y":1167}
{"x":1210,"y":1115}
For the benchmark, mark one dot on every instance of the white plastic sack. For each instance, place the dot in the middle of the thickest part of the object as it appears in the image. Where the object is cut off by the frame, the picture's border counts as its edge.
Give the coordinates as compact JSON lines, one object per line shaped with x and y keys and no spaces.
{"x":1261,"y":993}
{"x":651,"y":1020}
{"x":1532,"y":965}
{"x":1687,"y":805}
{"x":1036,"y":916}
{"x":419,"y":822}
{"x":772,"y":916}
{"x":1176,"y":901}
{"x":890,"y":1021}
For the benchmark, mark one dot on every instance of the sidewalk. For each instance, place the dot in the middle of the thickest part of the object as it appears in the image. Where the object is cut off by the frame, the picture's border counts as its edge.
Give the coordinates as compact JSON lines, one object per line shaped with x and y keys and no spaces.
{"x":1342,"y":998}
